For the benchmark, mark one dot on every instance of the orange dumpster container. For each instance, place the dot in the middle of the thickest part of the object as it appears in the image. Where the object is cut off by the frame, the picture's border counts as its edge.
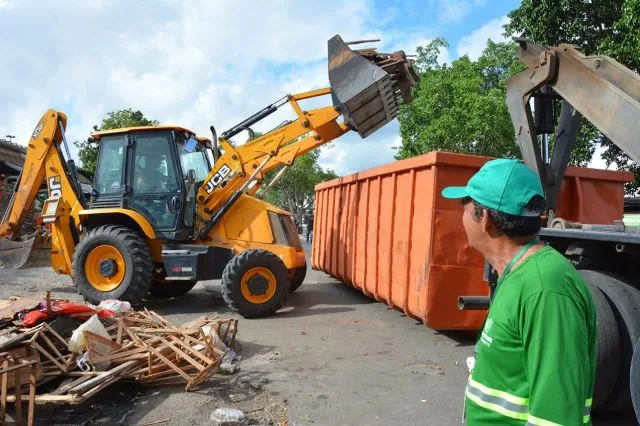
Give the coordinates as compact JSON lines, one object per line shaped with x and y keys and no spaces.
{"x":388,"y":232}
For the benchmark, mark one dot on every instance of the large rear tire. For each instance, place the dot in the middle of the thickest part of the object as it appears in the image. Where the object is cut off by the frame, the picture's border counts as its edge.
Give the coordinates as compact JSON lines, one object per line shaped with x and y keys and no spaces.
{"x":608,"y":361}
{"x":624,"y":300}
{"x":112,"y":262}
{"x":255,"y":283}
{"x":635,"y":379}
{"x":298,"y":277}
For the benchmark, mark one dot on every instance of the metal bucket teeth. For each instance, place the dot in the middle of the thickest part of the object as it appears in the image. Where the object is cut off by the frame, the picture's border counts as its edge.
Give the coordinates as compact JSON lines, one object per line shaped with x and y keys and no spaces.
{"x":367,"y":86}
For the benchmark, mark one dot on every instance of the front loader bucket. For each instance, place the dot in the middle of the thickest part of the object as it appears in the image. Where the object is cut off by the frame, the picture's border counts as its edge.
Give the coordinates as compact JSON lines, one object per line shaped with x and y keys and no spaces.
{"x":32,"y":251}
{"x":368,"y":86}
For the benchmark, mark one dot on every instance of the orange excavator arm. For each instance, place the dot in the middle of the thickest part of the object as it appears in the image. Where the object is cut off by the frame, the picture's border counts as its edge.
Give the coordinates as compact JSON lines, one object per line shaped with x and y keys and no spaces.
{"x":366,"y":89}
{"x":43,"y":162}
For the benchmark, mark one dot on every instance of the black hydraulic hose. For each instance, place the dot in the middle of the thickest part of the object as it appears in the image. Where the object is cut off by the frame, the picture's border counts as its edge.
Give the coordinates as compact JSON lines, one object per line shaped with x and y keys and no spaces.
{"x":249,"y":121}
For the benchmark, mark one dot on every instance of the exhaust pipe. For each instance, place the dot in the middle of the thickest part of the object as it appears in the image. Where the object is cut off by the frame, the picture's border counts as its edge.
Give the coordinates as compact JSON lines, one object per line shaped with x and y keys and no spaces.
{"x":367,"y":87}
{"x":473,"y":303}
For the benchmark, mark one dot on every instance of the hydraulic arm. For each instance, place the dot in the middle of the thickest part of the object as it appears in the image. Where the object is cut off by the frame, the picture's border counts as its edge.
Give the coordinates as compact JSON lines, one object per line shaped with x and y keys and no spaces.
{"x":365,"y":88}
{"x":597,"y":87}
{"x":44,"y":162}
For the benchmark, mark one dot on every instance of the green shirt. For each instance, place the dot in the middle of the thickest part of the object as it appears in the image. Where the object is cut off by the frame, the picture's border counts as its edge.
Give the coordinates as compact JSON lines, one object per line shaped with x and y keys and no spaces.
{"x":536,"y":355}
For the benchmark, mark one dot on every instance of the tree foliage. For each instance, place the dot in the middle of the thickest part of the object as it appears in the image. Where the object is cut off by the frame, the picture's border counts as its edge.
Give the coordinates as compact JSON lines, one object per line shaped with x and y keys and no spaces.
{"x":88,"y":149}
{"x":598,"y":27}
{"x":295,"y":191}
{"x":461,"y":107}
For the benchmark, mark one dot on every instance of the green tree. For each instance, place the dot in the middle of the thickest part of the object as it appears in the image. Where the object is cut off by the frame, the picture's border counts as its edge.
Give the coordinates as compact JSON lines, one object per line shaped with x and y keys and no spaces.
{"x":88,"y":149}
{"x":461,"y":107}
{"x":603,"y":27}
{"x":295,"y":191}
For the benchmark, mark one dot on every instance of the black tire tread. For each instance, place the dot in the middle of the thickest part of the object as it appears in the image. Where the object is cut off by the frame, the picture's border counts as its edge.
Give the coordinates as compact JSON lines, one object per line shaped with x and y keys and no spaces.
{"x":233,"y":273}
{"x":299,"y":275}
{"x":142,"y":264}
{"x":624,"y":300}
{"x":608,"y":361}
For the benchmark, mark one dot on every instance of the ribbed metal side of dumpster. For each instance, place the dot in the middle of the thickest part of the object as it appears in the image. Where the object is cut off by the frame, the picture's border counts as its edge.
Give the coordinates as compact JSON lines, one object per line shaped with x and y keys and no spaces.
{"x":388,"y":232}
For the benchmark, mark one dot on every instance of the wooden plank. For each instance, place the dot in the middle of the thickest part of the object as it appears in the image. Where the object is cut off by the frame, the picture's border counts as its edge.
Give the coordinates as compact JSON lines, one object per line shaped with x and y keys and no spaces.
{"x":116,"y":356}
{"x":32,"y":394}
{"x":51,"y":345}
{"x":204,"y":375}
{"x":184,"y":356}
{"x":103,"y":340}
{"x":192,"y":350}
{"x":3,"y":394}
{"x":48,"y":355}
{"x":73,"y":373}
{"x":116,"y":371}
{"x":98,"y":388}
{"x":22,"y":303}
{"x":170,"y":364}
{"x":18,"y":393}
{"x":135,"y":338}
{"x":161,"y":319}
{"x":55,"y":333}
{"x":45,"y":398}
{"x":71,"y":383}
{"x":119,"y":332}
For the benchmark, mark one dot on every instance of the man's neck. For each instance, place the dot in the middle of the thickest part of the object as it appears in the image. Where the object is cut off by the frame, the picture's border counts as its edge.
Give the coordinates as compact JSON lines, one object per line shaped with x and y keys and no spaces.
{"x":502,"y":251}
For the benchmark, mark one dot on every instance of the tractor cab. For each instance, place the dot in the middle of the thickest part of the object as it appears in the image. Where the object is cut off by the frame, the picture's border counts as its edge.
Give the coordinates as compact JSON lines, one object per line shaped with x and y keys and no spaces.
{"x":154,"y":171}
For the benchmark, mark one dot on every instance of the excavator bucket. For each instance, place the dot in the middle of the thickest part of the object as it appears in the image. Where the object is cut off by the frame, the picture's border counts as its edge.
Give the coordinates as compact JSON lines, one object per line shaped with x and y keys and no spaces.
{"x":368,"y":86}
{"x":31,"y":251}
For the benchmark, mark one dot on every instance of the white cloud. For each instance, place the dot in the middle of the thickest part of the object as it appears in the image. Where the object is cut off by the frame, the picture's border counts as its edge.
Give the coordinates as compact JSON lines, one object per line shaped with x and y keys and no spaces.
{"x":453,"y":11}
{"x":474,"y":43}
{"x":354,"y":154}
{"x":193,"y":62}
{"x":5,"y":4}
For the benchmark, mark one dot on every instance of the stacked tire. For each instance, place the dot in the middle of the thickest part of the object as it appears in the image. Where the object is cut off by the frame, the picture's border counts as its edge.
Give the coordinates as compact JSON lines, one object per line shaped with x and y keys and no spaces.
{"x":618,"y":318}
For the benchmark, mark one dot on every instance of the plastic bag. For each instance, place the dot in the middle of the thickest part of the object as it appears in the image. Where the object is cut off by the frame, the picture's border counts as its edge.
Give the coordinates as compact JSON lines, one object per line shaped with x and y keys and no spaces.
{"x":77,"y":341}
{"x":114,"y":305}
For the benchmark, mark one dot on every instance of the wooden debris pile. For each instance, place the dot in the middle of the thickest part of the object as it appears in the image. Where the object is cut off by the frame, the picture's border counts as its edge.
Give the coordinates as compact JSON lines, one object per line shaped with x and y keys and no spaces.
{"x":139,"y":346}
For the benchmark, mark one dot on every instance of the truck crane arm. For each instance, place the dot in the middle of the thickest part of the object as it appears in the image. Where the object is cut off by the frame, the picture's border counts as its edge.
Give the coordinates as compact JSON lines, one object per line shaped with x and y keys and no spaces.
{"x":366,"y":88}
{"x":595,"y":87}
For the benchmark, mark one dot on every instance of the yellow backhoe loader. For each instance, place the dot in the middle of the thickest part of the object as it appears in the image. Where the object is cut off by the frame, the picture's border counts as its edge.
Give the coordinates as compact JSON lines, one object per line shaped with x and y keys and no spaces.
{"x":170,"y":208}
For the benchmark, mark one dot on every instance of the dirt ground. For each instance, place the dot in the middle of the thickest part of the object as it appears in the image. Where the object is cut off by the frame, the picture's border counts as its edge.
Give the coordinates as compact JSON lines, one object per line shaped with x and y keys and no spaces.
{"x":330,"y":357}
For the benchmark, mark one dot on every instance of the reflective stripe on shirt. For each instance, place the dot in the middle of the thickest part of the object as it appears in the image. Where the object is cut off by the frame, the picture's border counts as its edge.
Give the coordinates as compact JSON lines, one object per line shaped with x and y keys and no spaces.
{"x":510,"y":405}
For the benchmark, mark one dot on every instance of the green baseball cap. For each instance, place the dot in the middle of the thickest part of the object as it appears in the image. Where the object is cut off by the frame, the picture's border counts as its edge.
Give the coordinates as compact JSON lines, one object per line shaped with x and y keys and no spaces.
{"x":503,"y":185}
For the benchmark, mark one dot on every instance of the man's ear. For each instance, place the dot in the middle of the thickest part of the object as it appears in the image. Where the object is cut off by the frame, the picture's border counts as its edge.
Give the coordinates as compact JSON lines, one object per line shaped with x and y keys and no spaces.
{"x":487,"y":223}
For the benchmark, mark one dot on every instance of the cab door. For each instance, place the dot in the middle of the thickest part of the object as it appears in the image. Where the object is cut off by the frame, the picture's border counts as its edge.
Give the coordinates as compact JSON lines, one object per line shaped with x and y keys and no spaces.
{"x":154,"y":179}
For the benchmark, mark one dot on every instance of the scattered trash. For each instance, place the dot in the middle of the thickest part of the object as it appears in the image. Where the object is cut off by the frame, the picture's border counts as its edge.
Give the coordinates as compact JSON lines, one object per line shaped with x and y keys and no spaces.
{"x":228,"y":417}
{"x":75,"y":351}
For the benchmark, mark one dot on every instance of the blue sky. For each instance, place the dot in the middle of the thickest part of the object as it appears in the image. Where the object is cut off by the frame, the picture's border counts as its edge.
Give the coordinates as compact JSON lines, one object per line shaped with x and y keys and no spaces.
{"x":198,"y":62}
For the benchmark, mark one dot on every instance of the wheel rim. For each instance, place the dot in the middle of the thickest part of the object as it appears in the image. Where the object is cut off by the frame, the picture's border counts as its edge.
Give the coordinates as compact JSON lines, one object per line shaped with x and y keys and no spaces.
{"x":258,"y":285}
{"x":105,"y":268}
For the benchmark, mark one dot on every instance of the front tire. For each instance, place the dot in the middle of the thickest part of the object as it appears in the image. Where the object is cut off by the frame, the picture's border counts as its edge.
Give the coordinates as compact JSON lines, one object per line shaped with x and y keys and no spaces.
{"x":112,"y":262}
{"x":255,"y":283}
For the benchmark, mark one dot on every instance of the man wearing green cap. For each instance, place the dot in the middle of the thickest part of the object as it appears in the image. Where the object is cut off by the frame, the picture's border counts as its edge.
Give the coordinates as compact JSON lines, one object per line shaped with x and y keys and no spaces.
{"x":536,"y":354}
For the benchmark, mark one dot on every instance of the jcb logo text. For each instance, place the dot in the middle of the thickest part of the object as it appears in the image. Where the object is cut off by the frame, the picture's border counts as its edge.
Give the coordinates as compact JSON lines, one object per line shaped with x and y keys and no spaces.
{"x":55,"y":188}
{"x":217,"y":178}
